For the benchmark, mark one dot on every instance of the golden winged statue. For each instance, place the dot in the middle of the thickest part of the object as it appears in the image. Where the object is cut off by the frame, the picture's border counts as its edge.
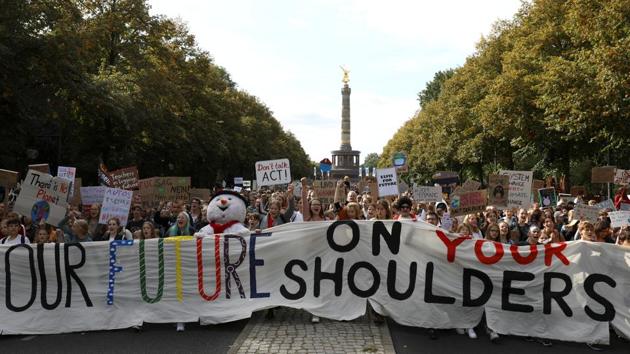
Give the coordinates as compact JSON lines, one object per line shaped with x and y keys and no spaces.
{"x":346,"y":77}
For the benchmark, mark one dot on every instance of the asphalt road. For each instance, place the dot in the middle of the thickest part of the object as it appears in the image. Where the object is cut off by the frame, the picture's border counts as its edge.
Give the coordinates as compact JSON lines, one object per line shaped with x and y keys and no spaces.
{"x":413,"y":340}
{"x":154,"y":338}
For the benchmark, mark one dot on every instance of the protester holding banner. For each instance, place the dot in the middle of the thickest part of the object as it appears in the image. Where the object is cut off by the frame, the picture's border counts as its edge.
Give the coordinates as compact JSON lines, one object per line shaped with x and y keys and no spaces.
{"x":74,"y":230}
{"x":41,"y":236}
{"x":404,"y":209}
{"x":273,"y":217}
{"x":603,"y":233}
{"x":13,"y":236}
{"x":382,"y":210}
{"x":198,"y":217}
{"x":181,"y":227}
{"x":550,"y":233}
{"x":135,"y":223}
{"x":311,"y":208}
{"x":522,"y":225}
{"x":472,"y":222}
{"x":115,"y":231}
{"x":623,"y":237}
{"x":96,"y":230}
{"x":351,"y":210}
{"x":504,"y":233}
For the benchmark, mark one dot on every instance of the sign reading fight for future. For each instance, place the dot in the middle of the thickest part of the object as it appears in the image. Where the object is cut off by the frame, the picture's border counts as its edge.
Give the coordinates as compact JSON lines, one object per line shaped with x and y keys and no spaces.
{"x":520,"y":188}
{"x":125,"y":178}
{"x":431,"y":194}
{"x":43,"y":197}
{"x":272,"y":172}
{"x":498,"y":189}
{"x":387,"y":181}
{"x":116,"y":203}
{"x":413,"y":272}
{"x":8,"y":181}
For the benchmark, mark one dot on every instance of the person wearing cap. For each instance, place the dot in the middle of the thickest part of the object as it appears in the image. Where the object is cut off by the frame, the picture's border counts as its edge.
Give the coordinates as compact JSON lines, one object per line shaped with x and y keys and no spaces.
{"x":404,"y":209}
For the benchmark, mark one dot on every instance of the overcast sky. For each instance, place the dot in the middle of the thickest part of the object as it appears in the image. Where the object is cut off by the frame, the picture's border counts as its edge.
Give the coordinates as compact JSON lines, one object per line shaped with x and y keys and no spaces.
{"x":288,"y":54}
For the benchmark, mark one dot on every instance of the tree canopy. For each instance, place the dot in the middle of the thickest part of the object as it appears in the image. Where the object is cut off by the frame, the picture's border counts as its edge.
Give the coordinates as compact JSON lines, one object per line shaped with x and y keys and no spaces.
{"x":90,"y":79}
{"x":547,"y":91}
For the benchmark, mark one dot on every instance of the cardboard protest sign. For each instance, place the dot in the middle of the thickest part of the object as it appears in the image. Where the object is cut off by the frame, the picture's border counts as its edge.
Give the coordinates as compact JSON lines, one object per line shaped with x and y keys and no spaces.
{"x":247,"y":183}
{"x":536,"y":185}
{"x":76,"y":192}
{"x":471,"y":185}
{"x":578,"y":191}
{"x":163,"y":189}
{"x":273,"y":172}
{"x":605,"y":174}
{"x":387,"y":181}
{"x":399,"y":160}
{"x":586,"y":212}
{"x":68,"y":173}
{"x":125,"y":178}
{"x":520,"y":190}
{"x":116,"y":204}
{"x":92,"y":195}
{"x":564,"y":197}
{"x":43,"y":197}
{"x":622,"y":177}
{"x":122,"y":279}
{"x":40,"y":167}
{"x":606,"y":204}
{"x":498,"y":189}
{"x":8,"y":181}
{"x":463,"y":203}
{"x":448,"y":180}
{"x":547,"y":197}
{"x":325,"y":192}
{"x":200,"y":193}
{"x":619,"y":218}
{"x":431,"y":194}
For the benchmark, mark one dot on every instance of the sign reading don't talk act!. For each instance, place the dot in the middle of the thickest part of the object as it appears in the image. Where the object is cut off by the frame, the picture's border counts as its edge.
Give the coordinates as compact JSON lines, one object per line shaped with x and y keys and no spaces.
{"x":272,"y":172}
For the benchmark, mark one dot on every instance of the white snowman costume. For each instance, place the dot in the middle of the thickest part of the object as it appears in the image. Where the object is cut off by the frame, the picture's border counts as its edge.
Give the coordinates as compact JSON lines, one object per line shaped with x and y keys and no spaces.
{"x":227,"y":211}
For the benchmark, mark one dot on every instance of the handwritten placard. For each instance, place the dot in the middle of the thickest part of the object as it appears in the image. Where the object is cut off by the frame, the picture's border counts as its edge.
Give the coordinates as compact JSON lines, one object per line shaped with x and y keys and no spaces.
{"x":92,"y":195}
{"x":8,"y":181}
{"x":387,"y":181}
{"x":324,"y":191}
{"x":498,"y":189}
{"x":163,"y":189}
{"x":116,"y":203}
{"x":125,"y":178}
{"x":619,"y":218}
{"x":427,"y":193}
{"x":463,"y":203}
{"x":273,"y":172}
{"x":520,"y":188}
{"x":43,"y":197}
{"x":605,"y":174}
{"x":586,"y":212}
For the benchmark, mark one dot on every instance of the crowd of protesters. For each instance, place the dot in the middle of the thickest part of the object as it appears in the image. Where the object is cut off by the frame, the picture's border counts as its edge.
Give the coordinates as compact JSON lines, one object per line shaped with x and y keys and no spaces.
{"x":268,"y":208}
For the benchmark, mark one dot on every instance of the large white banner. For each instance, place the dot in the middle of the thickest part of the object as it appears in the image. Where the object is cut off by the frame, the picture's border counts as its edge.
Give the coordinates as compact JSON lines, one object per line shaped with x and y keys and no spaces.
{"x":410,"y":271}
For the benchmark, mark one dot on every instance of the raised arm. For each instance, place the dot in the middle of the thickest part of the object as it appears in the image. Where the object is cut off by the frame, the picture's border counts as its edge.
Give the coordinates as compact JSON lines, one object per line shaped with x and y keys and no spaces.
{"x":306,"y":210}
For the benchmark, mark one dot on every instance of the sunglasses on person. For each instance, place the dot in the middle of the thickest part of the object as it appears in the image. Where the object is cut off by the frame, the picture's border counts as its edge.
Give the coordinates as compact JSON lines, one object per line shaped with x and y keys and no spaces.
{"x":405,"y":206}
